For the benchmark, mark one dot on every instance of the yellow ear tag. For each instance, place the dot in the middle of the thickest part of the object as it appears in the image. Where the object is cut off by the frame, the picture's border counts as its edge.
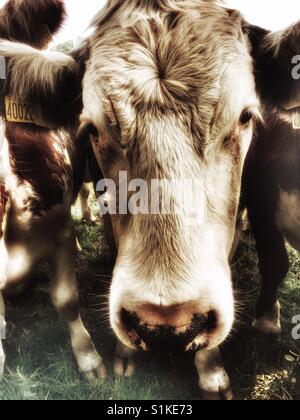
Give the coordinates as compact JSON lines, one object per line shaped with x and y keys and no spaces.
{"x":296,"y":121}
{"x":16,"y":111}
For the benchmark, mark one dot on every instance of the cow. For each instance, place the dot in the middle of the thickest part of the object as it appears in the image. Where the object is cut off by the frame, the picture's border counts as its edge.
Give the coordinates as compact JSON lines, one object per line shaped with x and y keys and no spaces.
{"x":167,"y":90}
{"x":42,"y":171}
{"x":271,"y":195}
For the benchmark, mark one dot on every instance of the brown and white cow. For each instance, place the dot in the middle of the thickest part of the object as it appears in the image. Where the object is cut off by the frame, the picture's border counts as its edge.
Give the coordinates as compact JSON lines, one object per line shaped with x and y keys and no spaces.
{"x":41,"y":173}
{"x":271,"y":194}
{"x":168,"y":89}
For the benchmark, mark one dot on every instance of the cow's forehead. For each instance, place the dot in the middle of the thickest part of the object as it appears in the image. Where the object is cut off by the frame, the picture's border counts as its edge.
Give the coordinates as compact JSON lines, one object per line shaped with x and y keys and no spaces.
{"x":147,"y":59}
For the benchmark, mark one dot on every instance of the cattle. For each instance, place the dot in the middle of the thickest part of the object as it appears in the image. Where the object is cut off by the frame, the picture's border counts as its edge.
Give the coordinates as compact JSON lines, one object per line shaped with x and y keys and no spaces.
{"x":167,"y":90}
{"x":42,"y":171}
{"x":271,"y":195}
{"x":42,"y":181}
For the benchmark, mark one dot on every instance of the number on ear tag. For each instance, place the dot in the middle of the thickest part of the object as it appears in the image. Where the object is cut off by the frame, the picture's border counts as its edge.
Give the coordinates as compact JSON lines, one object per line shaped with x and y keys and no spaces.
{"x":16,"y":111}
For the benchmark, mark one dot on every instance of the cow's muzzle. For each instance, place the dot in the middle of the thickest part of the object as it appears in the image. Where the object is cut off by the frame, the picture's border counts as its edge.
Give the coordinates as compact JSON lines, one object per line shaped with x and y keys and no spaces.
{"x":175,"y":328}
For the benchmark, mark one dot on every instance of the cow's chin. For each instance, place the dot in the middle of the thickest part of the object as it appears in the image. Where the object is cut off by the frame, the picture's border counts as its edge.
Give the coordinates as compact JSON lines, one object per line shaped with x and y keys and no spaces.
{"x":194,"y":325}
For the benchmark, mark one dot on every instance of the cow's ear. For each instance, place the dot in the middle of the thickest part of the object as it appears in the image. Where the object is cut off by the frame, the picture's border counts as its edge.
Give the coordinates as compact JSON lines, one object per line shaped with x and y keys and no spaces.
{"x":277,"y":65}
{"x":48,"y":83}
{"x":33,"y":22}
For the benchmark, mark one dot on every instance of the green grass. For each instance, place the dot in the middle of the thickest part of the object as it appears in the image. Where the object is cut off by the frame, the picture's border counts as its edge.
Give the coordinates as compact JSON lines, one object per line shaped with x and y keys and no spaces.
{"x":40,"y":364}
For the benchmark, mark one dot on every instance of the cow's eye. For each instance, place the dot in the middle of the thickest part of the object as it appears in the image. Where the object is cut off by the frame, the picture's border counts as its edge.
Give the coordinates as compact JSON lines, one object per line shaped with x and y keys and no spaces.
{"x":246,"y":117}
{"x":92,"y":130}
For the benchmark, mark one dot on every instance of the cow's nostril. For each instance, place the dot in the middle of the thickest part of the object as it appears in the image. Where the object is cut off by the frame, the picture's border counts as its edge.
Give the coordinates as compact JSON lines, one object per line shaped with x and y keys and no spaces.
{"x":212,"y":321}
{"x":130,"y":320}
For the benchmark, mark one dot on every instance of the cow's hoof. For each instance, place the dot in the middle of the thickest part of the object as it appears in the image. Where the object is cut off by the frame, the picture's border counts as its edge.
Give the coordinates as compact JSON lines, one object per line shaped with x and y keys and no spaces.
{"x":216,"y":386}
{"x":266,"y":327}
{"x":124,"y":365}
{"x":92,"y":367}
{"x":89,"y":219}
{"x":218,"y":396}
{"x":269,"y":324}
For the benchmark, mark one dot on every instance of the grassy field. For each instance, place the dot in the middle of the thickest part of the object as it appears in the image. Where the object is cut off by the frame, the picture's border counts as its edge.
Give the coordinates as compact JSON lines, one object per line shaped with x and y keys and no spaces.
{"x":40,"y":364}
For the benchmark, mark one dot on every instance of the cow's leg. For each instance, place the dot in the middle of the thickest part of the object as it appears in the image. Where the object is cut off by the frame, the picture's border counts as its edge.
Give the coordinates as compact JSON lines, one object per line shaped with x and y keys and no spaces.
{"x":273,"y":266}
{"x":124,"y":361}
{"x":84,"y":202}
{"x":64,"y":294}
{"x":213,"y":380}
{"x":16,"y":265}
{"x":2,"y":334}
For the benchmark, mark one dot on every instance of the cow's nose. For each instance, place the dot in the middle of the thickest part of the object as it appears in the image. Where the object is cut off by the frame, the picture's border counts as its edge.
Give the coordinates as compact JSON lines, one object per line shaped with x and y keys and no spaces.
{"x":173,"y":328}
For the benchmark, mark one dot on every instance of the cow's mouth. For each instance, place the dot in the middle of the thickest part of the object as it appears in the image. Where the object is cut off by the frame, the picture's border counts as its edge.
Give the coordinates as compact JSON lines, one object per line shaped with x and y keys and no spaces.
{"x":168,"y":338}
